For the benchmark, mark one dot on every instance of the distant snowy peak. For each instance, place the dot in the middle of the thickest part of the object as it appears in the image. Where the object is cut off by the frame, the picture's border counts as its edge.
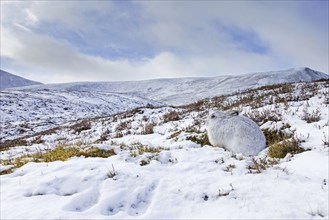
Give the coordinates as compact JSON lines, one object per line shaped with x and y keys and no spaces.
{"x":307,"y":74}
{"x":301,"y":74}
{"x":8,"y":80}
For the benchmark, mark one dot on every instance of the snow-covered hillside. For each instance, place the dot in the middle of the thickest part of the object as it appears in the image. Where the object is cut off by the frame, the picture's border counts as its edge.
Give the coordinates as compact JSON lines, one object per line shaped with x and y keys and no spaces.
{"x":187,"y":90}
{"x":8,"y":80}
{"x":53,"y":104}
{"x":25,"y":112}
{"x":152,"y":163}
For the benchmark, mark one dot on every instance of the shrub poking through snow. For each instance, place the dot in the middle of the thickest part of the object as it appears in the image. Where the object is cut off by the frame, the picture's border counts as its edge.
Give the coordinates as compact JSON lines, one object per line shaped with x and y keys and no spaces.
{"x":281,"y":143}
{"x":138,"y":148}
{"x":201,"y":139}
{"x":171,"y":116}
{"x":275,"y":135}
{"x":314,"y":116}
{"x":229,"y":168}
{"x":147,"y":160}
{"x":104,"y":136}
{"x":325,"y":140}
{"x":111,"y":173}
{"x":123,"y":126}
{"x":281,"y":149}
{"x":81,"y":126}
{"x":12,"y":143}
{"x":261,"y":164}
{"x":97,"y":152}
{"x":148,"y":128}
{"x":59,"y":153}
{"x":264,"y":116}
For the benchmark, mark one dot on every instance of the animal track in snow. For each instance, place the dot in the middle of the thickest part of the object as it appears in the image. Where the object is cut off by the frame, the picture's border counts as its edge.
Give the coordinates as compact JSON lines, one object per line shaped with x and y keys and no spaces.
{"x":142,"y":200}
{"x":61,"y":186}
{"x":84,"y":200}
{"x":134,"y":203}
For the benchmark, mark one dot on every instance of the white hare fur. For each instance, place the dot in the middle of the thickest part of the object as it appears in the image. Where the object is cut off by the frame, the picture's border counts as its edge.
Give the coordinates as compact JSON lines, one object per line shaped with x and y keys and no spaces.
{"x":236,"y":133}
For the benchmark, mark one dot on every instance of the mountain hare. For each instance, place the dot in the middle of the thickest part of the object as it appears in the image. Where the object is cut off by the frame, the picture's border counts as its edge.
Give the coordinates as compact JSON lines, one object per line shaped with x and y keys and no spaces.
{"x":236,"y":133}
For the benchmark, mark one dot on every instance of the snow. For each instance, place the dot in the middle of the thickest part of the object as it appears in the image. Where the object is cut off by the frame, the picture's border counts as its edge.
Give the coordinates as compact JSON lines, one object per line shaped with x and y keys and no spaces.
{"x":48,"y":109}
{"x":189,"y":189}
{"x":8,"y":80}
{"x":305,"y":165}
{"x":48,"y":106}
{"x":180,"y":91}
{"x":183,"y":180}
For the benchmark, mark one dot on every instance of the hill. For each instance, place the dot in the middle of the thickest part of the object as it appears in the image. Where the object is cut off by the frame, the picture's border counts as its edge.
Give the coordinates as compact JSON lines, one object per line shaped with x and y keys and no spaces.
{"x":180,"y":91}
{"x":156,"y":162}
{"x":8,"y":80}
{"x":49,"y":105}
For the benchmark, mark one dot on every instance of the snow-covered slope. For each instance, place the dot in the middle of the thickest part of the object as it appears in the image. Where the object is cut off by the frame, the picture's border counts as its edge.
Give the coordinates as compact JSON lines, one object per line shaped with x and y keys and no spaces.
{"x":53,"y":104}
{"x":169,"y":171}
{"x":23,"y":111}
{"x":8,"y":80}
{"x":187,"y":90}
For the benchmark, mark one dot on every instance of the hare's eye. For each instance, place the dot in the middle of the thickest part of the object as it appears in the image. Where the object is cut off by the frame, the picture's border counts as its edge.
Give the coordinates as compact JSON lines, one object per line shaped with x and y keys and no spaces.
{"x":213,"y":116}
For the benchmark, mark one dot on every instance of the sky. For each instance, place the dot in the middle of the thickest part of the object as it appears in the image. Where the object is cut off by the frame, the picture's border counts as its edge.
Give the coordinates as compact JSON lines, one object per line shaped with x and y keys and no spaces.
{"x":68,"y":41}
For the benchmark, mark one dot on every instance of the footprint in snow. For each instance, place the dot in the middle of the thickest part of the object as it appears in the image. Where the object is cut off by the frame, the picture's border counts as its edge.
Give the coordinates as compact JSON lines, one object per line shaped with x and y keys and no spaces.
{"x":84,"y":200}
{"x":142,"y":200}
{"x":115,"y":203}
{"x":61,"y":186}
{"x":133,"y":202}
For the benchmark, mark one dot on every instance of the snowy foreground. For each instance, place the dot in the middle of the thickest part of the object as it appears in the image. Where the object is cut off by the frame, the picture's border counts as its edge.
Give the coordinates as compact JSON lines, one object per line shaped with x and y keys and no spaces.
{"x":164,"y":174}
{"x":194,"y":186}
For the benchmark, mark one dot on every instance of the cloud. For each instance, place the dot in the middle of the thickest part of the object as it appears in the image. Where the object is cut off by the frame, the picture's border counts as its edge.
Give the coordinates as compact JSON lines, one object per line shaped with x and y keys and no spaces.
{"x":75,"y":41}
{"x":283,"y":29}
{"x":59,"y":61}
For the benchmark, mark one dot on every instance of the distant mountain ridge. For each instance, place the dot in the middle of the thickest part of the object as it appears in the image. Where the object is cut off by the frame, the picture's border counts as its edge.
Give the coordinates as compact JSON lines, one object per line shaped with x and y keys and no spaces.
{"x":8,"y":80}
{"x":47,"y":106}
{"x":179,"y":91}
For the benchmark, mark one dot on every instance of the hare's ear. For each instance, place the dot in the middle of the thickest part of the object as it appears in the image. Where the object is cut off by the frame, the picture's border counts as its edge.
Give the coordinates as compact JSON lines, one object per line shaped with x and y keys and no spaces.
{"x":233,"y":113}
